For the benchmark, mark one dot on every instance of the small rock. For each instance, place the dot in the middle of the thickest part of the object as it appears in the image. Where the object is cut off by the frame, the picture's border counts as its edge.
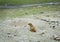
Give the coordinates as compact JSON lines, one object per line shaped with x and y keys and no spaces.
{"x":53,"y":26}
{"x":30,"y":41}
{"x":15,"y":35}
{"x":45,"y":20}
{"x":42,"y":33}
{"x":38,"y":41}
{"x":41,"y":12}
{"x":8,"y":33}
{"x":9,"y":36}
{"x":56,"y":38}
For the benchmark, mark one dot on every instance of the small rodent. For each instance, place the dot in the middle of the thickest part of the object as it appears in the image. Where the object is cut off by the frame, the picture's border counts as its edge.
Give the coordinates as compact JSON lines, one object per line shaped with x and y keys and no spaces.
{"x":32,"y":28}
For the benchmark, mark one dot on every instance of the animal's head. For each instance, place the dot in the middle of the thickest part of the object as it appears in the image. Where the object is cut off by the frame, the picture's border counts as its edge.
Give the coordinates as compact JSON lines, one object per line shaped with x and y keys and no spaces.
{"x":30,"y":24}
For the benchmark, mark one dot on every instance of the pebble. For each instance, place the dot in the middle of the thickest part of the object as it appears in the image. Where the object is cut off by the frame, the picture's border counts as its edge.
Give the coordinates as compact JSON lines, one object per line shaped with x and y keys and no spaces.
{"x":55,"y":37}
{"x":38,"y":41}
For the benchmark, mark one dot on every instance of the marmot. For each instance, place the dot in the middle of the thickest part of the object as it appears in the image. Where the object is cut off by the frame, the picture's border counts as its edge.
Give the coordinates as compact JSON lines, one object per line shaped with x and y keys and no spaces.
{"x":32,"y":28}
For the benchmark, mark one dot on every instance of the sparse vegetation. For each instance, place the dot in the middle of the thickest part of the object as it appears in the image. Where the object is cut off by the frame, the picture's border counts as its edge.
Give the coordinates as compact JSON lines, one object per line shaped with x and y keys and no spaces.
{"x":19,"y":12}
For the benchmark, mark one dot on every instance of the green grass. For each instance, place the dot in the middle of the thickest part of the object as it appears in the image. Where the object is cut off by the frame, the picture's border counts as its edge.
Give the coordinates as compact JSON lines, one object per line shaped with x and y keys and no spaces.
{"x":26,"y":1}
{"x":19,"y":12}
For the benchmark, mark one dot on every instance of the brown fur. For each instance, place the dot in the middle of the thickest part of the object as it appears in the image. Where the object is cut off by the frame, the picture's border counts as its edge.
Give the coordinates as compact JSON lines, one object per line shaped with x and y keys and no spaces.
{"x":32,"y":28}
